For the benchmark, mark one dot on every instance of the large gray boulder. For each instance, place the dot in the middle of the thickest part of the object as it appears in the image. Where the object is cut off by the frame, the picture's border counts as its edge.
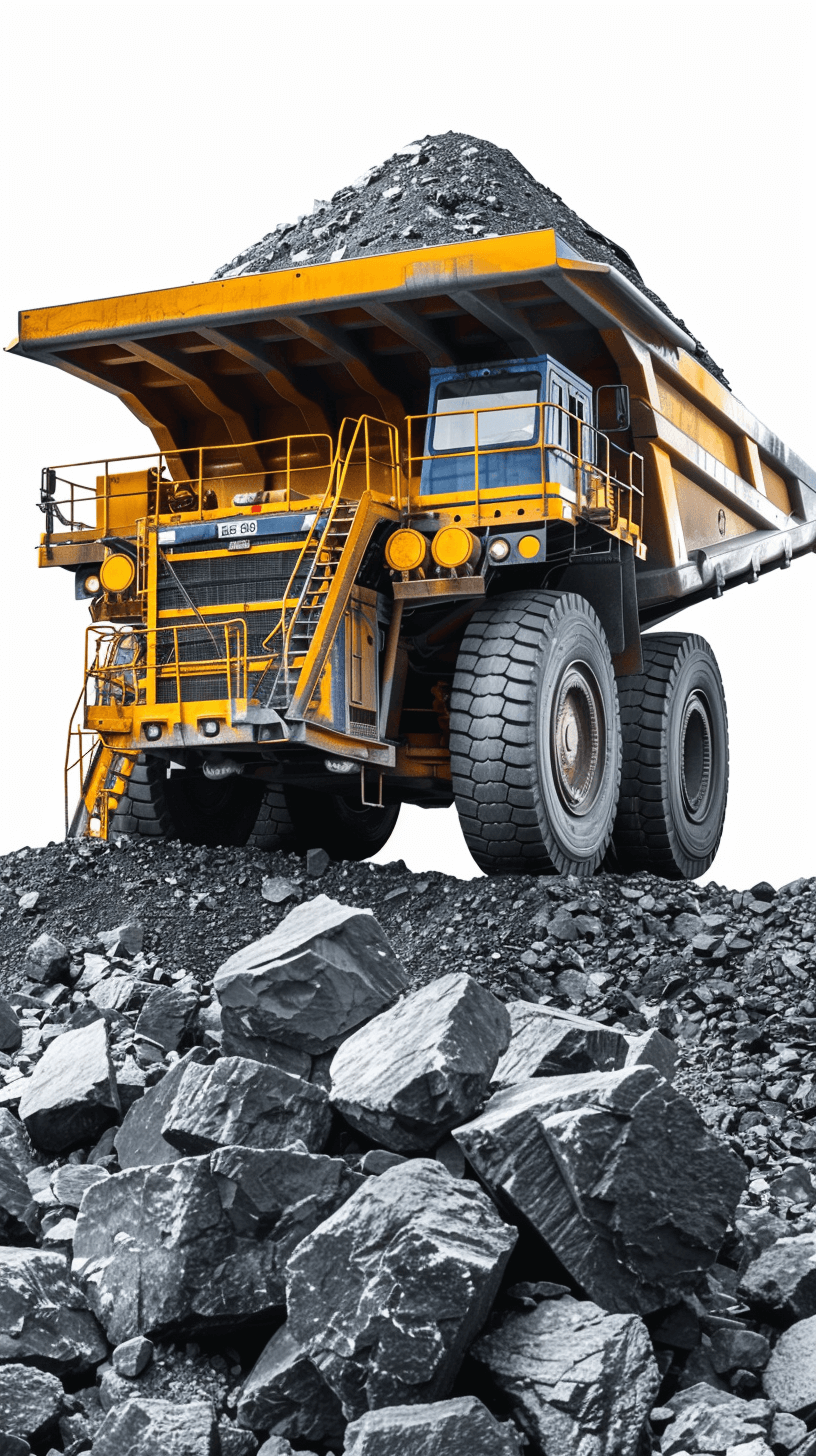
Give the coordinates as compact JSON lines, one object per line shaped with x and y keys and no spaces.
{"x":44,"y":1318}
{"x":413,"y":1072}
{"x":30,"y":1401}
{"x":71,"y":1096}
{"x":618,"y":1174}
{"x":387,"y":1294}
{"x":286,"y":1395}
{"x":241,"y":1102}
{"x":712,"y":1421}
{"x":46,"y":959}
{"x":322,"y":972}
{"x":783,"y":1278}
{"x":545,"y":1042}
{"x":462,"y":1427}
{"x":790,"y":1375}
{"x":16,"y":1162}
{"x":141,"y":1426}
{"x":139,"y":1141}
{"x":577,"y":1379}
{"x":203,"y":1241}
{"x":166,"y":1017}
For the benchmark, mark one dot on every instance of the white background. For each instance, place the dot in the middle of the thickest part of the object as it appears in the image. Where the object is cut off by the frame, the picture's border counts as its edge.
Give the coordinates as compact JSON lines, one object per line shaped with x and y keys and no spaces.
{"x":147,"y":143}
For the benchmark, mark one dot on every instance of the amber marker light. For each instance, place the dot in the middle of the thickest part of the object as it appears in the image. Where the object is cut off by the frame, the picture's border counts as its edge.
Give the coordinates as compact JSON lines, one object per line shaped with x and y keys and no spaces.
{"x":528,"y":547}
{"x":117,"y":572}
{"x":406,"y":550}
{"x":454,"y":546}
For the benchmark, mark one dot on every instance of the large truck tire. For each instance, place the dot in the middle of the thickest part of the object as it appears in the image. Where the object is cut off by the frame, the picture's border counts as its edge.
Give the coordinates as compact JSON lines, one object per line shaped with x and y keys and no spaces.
{"x":143,"y":808}
{"x":674,"y":784}
{"x":535,"y":736}
{"x":297,"y":819}
{"x":212,"y":812}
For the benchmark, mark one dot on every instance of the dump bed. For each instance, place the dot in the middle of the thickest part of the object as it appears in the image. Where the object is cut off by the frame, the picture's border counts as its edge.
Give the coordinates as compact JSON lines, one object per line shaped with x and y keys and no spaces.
{"x":238,"y":360}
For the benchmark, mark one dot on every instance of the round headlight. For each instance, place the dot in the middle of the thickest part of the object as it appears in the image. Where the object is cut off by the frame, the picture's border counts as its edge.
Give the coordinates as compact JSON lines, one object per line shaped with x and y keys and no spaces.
{"x":152,"y":731}
{"x":210,"y":727}
{"x":498,"y":550}
{"x":454,"y":546}
{"x":92,"y":585}
{"x":117,"y":572}
{"x":406,"y":550}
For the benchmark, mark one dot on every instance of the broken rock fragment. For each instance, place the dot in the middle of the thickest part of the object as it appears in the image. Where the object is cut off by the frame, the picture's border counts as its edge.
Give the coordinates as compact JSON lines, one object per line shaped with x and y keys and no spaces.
{"x":322,"y":972}
{"x":286,"y":1395}
{"x":617,"y":1173}
{"x":712,"y":1421}
{"x":46,"y":959}
{"x":652,"y":1049}
{"x":415,"y":1071}
{"x":462,"y":1427}
{"x":16,"y":1162}
{"x":166,"y":1016}
{"x":161,"y":1426}
{"x":790,"y":1376}
{"x":783,"y":1278}
{"x":577,"y":1379}
{"x":30,"y":1401}
{"x":139,"y":1140}
{"x":387,"y":1294}
{"x":44,"y":1317}
{"x":11,"y":1032}
{"x":545,"y":1042}
{"x":243,"y":1102}
{"x":202,"y":1241}
{"x":71,"y":1096}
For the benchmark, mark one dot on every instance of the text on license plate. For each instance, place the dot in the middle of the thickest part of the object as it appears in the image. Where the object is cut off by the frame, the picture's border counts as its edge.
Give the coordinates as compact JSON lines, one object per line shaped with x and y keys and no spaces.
{"x":231,"y":529}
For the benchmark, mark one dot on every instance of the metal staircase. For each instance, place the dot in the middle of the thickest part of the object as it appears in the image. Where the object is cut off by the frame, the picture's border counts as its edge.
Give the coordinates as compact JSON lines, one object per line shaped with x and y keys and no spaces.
{"x":323,"y":555}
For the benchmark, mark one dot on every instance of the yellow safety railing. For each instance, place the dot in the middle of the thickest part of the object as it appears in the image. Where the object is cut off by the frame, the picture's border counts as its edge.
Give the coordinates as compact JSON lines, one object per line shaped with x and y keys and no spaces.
{"x":570,"y":460}
{"x":191,"y":481}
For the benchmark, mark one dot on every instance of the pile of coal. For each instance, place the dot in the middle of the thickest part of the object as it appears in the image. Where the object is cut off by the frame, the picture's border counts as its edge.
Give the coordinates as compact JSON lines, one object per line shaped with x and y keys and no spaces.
{"x":441,"y":189}
{"x":402,"y":1166}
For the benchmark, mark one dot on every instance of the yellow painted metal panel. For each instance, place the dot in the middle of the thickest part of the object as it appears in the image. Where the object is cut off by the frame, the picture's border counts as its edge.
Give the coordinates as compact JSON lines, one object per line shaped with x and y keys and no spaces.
{"x":775,"y":487}
{"x":705,"y":521}
{"x":691,"y":420}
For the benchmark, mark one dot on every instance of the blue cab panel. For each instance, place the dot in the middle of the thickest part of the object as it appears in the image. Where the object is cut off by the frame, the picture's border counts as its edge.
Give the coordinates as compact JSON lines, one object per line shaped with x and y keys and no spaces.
{"x":507,"y":394}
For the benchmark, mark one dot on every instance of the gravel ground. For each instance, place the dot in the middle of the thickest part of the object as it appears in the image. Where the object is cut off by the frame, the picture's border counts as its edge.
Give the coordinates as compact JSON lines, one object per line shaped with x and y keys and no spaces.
{"x":730,"y":976}
{"x":437,"y":190}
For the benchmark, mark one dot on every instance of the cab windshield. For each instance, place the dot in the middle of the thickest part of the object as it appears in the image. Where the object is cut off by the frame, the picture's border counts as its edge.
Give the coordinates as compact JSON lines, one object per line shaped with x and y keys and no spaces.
{"x":497,"y":424}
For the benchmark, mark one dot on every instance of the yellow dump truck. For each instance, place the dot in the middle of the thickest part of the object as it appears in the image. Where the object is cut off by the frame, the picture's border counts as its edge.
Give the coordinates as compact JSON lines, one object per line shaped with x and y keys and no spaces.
{"x":406,"y":521}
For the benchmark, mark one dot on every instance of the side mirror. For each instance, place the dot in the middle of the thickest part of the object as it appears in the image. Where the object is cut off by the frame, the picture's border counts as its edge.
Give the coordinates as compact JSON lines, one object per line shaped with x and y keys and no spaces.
{"x":48,"y":485}
{"x":612,"y":408}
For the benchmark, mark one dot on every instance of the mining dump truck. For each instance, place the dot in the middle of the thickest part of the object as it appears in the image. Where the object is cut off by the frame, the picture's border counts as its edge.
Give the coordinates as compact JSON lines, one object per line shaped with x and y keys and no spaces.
{"x":407,"y":519}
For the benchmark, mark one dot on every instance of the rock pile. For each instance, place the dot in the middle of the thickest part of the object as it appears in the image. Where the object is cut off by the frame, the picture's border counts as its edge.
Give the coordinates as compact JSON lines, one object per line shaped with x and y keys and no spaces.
{"x":441,"y":189}
{"x":402,"y":1166}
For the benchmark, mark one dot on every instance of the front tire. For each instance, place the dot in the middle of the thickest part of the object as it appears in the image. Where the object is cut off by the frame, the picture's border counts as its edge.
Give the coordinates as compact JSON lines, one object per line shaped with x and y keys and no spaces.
{"x":294,"y":819}
{"x":535,"y":736}
{"x":674,"y":785}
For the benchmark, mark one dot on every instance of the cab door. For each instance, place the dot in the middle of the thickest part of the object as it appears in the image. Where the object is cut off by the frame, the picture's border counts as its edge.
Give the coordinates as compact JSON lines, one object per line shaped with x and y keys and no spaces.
{"x":568,"y":433}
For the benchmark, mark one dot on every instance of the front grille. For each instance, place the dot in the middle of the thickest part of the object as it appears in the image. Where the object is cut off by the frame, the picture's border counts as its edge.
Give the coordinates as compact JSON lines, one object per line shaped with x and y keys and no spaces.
{"x":231,"y":577}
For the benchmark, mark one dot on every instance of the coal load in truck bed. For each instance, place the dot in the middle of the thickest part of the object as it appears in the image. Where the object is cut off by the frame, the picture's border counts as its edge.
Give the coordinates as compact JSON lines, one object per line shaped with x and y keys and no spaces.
{"x":440,"y":189}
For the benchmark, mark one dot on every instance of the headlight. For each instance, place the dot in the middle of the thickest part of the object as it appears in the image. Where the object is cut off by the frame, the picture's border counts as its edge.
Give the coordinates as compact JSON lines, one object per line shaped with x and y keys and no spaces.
{"x":117,"y":572}
{"x":210,"y":727}
{"x":92,"y":585}
{"x":152,"y":731}
{"x":498,"y":550}
{"x":454,"y":546}
{"x":340,"y":765}
{"x":406,"y":550}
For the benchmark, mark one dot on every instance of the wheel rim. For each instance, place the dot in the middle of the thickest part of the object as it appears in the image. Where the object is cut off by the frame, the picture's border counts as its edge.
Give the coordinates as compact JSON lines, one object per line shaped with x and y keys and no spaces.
{"x":577,"y":738}
{"x":696,"y":757}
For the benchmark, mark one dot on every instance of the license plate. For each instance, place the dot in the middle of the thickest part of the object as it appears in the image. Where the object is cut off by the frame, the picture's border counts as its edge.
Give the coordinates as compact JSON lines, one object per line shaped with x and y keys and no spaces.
{"x":230,"y":530}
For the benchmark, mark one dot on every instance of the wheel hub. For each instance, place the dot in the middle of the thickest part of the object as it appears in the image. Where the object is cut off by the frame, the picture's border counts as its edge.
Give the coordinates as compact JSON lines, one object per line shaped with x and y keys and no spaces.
{"x":577,"y":738}
{"x":696,"y":756}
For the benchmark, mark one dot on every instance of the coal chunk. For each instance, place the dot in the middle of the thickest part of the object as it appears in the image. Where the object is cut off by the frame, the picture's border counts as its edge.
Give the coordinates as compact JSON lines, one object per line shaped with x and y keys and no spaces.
{"x":322,"y":972}
{"x":140,"y":1426}
{"x":166,"y":1017}
{"x":783,"y":1278}
{"x":44,"y":1318}
{"x":708,"y":1420}
{"x":16,"y":1162}
{"x":203,"y":1241}
{"x":415,"y":1071}
{"x":652,"y":1049}
{"x":46,"y":959}
{"x":132,"y":1357}
{"x":30,"y":1401}
{"x":238,"y":1101}
{"x":462,"y":1427}
{"x":618,"y":1174}
{"x":545,"y":1042}
{"x":577,"y":1379}
{"x":286,"y":1395}
{"x":11,"y":1032}
{"x":387,"y":1294}
{"x":71,"y":1096}
{"x":139,"y":1140}
{"x":790,"y":1375}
